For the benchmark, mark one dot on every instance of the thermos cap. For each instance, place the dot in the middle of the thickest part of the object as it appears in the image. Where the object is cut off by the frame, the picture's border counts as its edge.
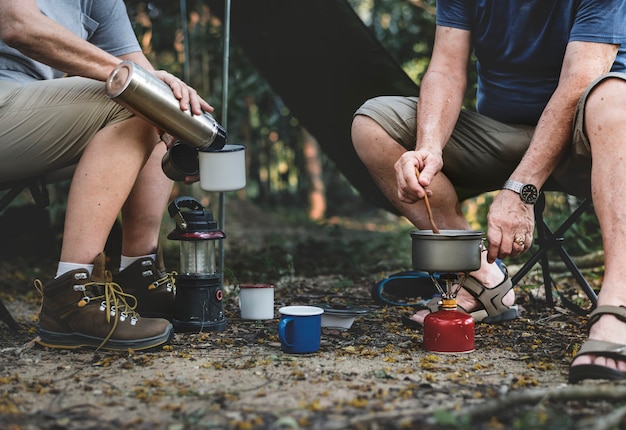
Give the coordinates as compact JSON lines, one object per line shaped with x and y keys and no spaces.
{"x":119,"y":79}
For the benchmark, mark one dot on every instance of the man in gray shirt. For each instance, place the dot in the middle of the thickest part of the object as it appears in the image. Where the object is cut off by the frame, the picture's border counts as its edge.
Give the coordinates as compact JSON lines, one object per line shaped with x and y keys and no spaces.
{"x":55,"y":56}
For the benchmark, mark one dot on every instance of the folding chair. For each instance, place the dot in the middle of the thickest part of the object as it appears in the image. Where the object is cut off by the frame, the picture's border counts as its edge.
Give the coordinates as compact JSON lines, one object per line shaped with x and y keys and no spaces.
{"x":36,"y":186}
{"x":39,"y":191}
{"x":548,"y":240}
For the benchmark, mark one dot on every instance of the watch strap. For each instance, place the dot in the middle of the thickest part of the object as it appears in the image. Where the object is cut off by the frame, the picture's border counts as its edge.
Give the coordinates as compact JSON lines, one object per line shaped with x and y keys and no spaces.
{"x":513,"y":186}
{"x":528,"y":193}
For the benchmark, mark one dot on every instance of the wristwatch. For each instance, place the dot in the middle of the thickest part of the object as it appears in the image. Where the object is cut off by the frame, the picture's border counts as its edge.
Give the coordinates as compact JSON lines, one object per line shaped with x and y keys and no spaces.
{"x":527,"y":192}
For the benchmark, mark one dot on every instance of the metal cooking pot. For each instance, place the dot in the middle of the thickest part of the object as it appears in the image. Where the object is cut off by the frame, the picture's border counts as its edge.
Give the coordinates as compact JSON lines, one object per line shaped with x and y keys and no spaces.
{"x":449,"y":251}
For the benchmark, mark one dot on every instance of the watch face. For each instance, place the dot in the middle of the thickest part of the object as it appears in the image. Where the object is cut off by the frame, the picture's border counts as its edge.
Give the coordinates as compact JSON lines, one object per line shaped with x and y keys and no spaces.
{"x":529,"y":193}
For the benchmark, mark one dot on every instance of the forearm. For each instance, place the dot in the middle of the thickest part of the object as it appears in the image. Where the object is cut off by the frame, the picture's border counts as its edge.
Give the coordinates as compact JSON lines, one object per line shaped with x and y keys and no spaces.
{"x":552,"y":134}
{"x":26,"y":29}
{"x":441,"y":97}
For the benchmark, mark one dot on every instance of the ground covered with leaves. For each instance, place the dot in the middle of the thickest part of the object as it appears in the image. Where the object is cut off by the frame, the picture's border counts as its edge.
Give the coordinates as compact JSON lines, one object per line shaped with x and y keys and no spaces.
{"x":374,"y":375}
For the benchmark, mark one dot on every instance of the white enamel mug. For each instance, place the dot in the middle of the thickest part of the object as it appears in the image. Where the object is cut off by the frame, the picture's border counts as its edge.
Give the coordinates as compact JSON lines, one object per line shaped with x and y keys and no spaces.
{"x":223,"y":169}
{"x":256,"y":301}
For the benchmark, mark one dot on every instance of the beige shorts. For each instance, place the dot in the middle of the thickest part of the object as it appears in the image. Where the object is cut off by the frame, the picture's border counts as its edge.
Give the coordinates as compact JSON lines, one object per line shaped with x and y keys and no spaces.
{"x":482,"y":152}
{"x":46,"y":125}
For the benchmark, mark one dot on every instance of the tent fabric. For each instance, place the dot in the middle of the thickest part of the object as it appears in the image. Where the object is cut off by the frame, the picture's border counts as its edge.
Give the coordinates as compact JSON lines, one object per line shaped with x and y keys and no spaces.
{"x":323,"y":62}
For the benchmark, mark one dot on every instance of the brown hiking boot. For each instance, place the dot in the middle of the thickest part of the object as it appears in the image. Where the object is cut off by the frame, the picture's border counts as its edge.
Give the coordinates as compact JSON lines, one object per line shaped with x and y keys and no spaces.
{"x":83,"y":311}
{"x":153,"y":287}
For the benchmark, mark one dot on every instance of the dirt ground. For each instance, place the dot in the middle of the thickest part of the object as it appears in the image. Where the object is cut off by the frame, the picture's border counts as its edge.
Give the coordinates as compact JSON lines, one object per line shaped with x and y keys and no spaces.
{"x":374,"y":375}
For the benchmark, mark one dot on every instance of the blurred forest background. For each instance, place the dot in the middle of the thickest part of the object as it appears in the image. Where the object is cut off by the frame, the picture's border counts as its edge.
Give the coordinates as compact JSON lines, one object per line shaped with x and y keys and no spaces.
{"x":285,"y":164}
{"x":287,"y":169}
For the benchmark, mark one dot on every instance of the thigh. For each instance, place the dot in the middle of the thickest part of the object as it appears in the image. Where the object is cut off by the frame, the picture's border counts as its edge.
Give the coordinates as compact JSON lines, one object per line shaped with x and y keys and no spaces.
{"x":46,"y":125}
{"x":395,"y":114}
{"x":481,"y":153}
{"x":573,"y":174}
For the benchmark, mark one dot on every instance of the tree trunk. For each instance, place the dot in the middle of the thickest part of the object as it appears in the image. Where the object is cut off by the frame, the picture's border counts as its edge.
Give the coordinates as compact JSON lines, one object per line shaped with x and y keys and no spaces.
{"x":313,"y":163}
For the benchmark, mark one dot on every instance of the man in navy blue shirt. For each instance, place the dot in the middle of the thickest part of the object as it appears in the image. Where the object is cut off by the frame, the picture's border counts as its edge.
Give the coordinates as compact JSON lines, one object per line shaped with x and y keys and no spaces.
{"x":551,"y":97}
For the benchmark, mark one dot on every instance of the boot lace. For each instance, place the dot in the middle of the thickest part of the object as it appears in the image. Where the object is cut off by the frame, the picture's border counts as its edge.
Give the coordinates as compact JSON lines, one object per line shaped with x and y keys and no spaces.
{"x":114,"y":302}
{"x":168,"y":279}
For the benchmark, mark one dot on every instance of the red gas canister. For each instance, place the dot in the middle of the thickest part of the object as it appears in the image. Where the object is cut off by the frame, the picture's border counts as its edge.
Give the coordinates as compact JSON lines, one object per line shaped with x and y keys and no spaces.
{"x":449,"y":330}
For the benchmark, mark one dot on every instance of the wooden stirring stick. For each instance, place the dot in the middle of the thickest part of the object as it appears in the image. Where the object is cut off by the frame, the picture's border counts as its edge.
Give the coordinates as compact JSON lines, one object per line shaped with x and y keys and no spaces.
{"x":430,"y":213}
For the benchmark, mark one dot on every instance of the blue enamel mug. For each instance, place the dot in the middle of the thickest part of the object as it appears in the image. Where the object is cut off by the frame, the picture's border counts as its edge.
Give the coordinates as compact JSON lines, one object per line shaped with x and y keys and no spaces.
{"x":300,"y":329}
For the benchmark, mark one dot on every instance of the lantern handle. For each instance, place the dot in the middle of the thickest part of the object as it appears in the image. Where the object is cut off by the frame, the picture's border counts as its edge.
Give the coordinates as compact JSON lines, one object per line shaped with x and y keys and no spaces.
{"x":177,"y":204}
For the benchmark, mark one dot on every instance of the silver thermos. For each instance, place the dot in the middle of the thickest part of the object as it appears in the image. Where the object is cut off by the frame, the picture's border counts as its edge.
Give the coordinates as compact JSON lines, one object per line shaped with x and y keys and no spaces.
{"x":152,"y":99}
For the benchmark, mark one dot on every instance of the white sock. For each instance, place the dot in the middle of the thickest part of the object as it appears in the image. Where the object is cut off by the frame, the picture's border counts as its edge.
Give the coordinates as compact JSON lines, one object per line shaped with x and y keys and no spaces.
{"x":65,"y":267}
{"x":127,"y":261}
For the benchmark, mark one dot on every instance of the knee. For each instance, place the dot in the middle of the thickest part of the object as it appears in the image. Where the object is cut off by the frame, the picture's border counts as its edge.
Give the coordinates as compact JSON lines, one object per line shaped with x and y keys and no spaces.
{"x":606,"y":103}
{"x":143,"y":133}
{"x":365,"y":135}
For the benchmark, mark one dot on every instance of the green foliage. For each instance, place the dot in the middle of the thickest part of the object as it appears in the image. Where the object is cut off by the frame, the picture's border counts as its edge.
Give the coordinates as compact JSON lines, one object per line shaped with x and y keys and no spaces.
{"x":582,"y":237}
{"x":406,"y":30}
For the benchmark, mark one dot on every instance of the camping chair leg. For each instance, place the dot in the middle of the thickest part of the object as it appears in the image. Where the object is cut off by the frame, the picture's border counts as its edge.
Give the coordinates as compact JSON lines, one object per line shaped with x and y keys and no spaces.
{"x":546,"y":240}
{"x":39,"y":192}
{"x":10,"y":196}
{"x":7,"y":198}
{"x":37,"y":188}
{"x":557,"y":241}
{"x":6,"y":317}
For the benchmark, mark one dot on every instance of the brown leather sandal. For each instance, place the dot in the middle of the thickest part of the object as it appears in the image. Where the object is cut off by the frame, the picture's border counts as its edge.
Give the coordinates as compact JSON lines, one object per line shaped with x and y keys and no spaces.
{"x":493,"y":309}
{"x":600,"y":348}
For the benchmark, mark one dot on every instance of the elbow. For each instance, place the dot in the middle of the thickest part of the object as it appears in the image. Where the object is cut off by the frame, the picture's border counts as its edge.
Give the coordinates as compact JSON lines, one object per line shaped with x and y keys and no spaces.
{"x":14,"y":34}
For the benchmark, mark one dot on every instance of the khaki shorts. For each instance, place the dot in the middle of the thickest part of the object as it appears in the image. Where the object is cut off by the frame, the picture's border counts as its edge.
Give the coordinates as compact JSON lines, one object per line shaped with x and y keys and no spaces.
{"x":46,"y":125}
{"x":482,"y":152}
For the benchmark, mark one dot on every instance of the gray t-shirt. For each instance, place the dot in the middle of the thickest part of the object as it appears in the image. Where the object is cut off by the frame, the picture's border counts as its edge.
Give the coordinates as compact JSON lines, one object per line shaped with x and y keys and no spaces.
{"x":104,"y":23}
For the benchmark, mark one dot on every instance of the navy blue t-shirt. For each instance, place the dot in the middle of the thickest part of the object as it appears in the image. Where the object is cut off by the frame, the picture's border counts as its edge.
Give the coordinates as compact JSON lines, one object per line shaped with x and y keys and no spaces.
{"x":520,"y":45}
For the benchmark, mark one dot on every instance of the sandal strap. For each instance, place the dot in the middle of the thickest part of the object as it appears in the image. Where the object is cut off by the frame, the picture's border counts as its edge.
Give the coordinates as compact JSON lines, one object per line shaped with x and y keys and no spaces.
{"x":618,"y":311}
{"x":432,"y":305}
{"x":603,"y":349}
{"x":490,"y":298}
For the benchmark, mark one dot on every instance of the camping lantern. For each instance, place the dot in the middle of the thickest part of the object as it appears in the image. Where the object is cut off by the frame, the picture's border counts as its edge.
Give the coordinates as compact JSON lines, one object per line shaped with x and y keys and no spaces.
{"x":198,"y":305}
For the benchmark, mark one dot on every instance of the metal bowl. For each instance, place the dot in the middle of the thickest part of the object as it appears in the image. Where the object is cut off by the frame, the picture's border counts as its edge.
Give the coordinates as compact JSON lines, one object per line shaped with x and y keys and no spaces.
{"x":449,"y":251}
{"x":340,"y":317}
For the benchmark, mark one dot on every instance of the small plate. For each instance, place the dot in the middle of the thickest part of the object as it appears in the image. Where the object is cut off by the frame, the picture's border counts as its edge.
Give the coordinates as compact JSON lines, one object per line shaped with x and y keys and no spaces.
{"x":340,"y":317}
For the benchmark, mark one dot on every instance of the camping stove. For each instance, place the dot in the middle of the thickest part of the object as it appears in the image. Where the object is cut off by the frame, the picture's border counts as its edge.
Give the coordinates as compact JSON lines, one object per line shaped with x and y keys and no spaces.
{"x":448,"y":330}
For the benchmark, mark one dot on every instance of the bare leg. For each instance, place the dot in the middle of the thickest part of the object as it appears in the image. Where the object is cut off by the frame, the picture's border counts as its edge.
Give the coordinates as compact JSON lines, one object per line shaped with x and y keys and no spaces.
{"x":606,"y":127}
{"x":104,"y":178}
{"x":142,"y":213}
{"x":379,"y":152}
